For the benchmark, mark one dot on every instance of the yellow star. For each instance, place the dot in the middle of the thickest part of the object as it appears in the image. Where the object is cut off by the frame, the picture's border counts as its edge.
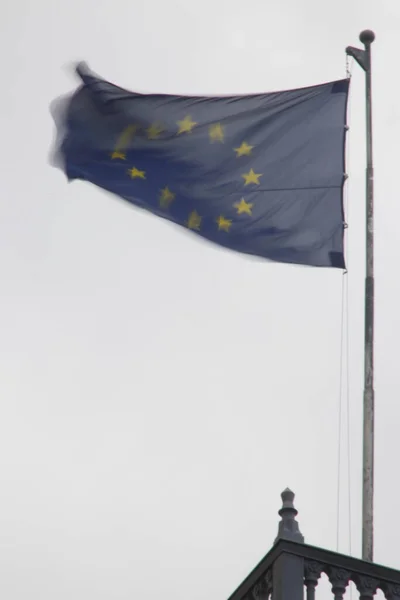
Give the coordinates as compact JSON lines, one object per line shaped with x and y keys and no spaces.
{"x":117,"y":154}
{"x":154,"y":131}
{"x":123,"y":142}
{"x":243,"y":207}
{"x":243,"y":150}
{"x":223,"y":224}
{"x":186,"y":125}
{"x":194,"y":220}
{"x":136,"y":173}
{"x":251,"y":177}
{"x":166,"y":197}
{"x":216,"y":132}
{"x":127,"y":134}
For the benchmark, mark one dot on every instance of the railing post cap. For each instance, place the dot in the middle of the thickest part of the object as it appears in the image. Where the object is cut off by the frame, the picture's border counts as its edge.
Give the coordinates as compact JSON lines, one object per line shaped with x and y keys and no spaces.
{"x":288,"y":527}
{"x":287,"y":501}
{"x":367,"y":37}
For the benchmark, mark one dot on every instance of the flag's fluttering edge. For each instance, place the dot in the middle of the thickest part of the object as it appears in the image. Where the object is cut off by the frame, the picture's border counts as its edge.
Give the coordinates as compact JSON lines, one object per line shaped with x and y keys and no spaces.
{"x":261,"y":174}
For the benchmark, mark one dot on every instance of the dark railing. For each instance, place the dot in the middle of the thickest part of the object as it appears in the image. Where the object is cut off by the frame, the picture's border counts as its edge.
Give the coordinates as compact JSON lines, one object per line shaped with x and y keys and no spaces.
{"x":292,"y":567}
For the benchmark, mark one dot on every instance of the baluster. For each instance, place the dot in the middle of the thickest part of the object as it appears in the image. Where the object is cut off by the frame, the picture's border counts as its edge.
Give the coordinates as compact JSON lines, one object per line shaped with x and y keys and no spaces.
{"x":268,"y":582}
{"x":312,"y":573}
{"x":259,"y":591}
{"x":263,"y":588}
{"x":366,"y":586}
{"x":391,"y":591}
{"x":339,"y":579}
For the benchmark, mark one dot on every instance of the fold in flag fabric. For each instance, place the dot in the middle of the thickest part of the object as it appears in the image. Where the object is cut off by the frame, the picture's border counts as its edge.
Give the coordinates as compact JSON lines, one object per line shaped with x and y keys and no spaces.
{"x":261,"y":174}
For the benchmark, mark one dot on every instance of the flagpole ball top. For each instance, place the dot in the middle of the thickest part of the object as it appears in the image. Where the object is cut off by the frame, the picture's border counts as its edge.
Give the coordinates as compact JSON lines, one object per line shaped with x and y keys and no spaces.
{"x":367,"y":37}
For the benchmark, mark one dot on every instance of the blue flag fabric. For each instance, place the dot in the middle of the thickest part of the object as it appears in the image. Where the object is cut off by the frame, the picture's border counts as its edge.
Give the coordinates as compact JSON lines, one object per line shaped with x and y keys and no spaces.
{"x":261,"y":174}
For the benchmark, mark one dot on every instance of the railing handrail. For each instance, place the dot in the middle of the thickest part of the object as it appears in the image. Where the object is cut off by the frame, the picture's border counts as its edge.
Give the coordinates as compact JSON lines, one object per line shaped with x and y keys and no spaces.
{"x":291,"y":564}
{"x":355,"y":566}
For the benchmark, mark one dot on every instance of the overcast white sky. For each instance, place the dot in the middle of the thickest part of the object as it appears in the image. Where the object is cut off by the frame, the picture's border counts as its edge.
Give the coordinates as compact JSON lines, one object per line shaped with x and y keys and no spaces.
{"x":157,"y":393}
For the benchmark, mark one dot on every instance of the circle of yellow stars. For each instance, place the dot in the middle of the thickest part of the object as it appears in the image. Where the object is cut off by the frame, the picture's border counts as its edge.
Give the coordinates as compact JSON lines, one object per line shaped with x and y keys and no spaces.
{"x":216,"y":133}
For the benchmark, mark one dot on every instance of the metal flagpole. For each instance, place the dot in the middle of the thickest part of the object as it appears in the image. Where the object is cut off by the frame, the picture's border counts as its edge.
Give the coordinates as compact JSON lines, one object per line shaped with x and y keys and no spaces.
{"x":363,"y":57}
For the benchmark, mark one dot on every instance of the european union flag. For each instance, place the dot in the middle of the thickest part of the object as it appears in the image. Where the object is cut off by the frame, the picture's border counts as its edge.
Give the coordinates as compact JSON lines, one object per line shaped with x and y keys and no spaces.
{"x":261,"y":174}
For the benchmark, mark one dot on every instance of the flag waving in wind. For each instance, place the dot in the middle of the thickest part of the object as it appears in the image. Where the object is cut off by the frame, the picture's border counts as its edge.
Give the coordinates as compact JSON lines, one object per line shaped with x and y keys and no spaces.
{"x":261,"y":174}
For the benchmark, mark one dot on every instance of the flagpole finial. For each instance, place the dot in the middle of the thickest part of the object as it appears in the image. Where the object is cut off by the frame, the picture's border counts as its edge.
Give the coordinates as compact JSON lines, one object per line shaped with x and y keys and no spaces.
{"x":367,"y":37}
{"x":288,"y":526}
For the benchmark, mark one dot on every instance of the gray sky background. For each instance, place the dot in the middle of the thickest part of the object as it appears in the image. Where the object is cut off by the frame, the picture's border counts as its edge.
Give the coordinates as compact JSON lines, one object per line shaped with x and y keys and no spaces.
{"x":158,"y":393}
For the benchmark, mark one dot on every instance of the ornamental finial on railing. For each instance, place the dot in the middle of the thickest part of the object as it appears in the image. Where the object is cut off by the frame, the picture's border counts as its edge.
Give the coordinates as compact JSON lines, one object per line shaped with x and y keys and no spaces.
{"x":288,"y":526}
